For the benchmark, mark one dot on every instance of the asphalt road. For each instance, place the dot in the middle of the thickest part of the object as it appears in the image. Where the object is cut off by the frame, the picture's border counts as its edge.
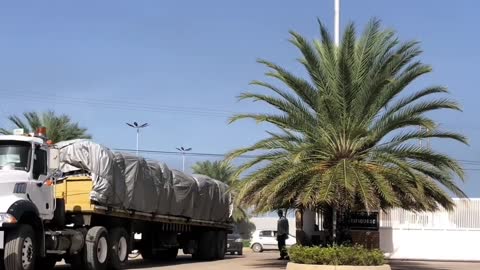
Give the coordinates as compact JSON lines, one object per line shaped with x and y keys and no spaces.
{"x":268,"y":261}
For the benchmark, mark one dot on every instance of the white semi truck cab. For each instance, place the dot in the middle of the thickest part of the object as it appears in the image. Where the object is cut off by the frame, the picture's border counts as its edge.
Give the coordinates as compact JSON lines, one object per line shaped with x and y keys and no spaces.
{"x":27,"y":199}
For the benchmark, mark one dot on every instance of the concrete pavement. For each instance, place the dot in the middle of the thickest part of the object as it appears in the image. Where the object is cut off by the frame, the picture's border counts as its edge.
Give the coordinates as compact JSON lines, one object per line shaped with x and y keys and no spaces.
{"x":268,"y":261}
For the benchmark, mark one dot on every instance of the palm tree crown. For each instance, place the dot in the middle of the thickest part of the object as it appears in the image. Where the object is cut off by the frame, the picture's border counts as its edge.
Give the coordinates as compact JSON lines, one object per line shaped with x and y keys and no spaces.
{"x":59,"y":127}
{"x":224,"y":172}
{"x":348,"y":135}
{"x":219,"y":170}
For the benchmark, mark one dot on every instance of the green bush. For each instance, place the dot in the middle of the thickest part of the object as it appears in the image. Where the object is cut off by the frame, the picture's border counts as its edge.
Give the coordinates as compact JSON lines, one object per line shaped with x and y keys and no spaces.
{"x":246,"y":243}
{"x":337,"y":255}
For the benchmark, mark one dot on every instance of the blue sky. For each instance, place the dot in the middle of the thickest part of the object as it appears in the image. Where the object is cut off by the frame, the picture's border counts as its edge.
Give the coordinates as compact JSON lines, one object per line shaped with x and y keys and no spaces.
{"x":180,"y":64}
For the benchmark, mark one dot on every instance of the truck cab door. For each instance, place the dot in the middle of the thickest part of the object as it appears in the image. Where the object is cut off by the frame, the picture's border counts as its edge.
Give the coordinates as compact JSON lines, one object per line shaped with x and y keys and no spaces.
{"x":40,"y":190}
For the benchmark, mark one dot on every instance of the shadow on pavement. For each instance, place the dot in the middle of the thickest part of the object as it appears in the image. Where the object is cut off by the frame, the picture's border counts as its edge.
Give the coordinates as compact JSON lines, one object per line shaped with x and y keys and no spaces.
{"x":140,"y":263}
{"x":269,"y":263}
{"x":409,"y":265}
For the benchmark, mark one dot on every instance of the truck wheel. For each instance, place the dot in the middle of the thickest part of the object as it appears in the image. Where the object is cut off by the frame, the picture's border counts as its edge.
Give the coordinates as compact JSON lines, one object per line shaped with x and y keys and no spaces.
{"x":221,"y":244}
{"x":146,"y":247}
{"x":20,"y":249}
{"x":96,"y":248}
{"x":119,"y":248}
{"x":168,"y":255}
{"x":207,"y":246}
{"x":47,"y":263}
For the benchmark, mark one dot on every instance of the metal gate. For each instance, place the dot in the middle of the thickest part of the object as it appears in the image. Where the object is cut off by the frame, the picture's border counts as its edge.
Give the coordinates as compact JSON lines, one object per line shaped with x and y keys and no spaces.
{"x":441,"y":235}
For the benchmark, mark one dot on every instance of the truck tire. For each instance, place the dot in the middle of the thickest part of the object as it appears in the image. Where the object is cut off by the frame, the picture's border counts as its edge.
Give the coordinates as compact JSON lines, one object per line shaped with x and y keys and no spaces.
{"x":46,"y":263}
{"x":118,"y":248}
{"x":221,"y":244}
{"x":167,"y":255}
{"x":59,"y":218}
{"x":20,"y":249}
{"x":206,"y":247}
{"x":97,"y":248}
{"x":146,"y":247}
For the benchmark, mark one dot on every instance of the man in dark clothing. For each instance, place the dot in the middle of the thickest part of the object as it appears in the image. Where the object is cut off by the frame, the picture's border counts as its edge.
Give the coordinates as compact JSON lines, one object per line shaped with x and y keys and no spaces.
{"x":282,"y":235}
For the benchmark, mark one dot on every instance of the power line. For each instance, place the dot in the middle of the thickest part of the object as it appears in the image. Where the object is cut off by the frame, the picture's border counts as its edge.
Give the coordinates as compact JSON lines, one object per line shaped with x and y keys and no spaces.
{"x":178,"y":153}
{"x":120,"y":105}
{"x":163,"y":152}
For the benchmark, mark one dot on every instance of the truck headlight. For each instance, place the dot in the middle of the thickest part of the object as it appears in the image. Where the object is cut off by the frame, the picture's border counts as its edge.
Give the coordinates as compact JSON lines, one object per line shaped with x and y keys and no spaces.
{"x":7,"y":218}
{"x":239,"y":240}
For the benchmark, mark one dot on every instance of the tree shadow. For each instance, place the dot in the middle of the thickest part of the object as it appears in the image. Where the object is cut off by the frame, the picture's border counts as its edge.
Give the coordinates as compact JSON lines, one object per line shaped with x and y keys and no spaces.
{"x":140,"y":263}
{"x":269,"y":263}
{"x":410,"y":265}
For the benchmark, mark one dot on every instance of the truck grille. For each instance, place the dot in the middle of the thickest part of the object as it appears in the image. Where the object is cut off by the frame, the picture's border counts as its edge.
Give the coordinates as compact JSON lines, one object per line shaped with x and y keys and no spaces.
{"x":20,"y":188}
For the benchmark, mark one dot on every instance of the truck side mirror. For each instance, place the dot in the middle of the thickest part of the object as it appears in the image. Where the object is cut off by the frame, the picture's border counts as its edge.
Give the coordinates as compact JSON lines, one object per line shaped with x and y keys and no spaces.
{"x":54,"y":162}
{"x":45,"y":180}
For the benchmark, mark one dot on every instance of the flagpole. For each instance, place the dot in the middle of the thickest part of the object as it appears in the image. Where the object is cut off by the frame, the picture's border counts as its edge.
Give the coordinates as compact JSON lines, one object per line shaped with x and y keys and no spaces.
{"x":337,"y":43}
{"x":337,"y":22}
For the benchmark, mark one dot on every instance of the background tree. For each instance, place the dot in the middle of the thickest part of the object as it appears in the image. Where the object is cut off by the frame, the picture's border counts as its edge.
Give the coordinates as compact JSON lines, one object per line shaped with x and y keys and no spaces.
{"x":347,"y":136}
{"x":59,"y":127}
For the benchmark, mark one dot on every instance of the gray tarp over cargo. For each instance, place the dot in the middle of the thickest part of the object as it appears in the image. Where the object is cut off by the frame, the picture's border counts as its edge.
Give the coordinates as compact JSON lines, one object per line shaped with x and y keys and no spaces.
{"x":130,"y":182}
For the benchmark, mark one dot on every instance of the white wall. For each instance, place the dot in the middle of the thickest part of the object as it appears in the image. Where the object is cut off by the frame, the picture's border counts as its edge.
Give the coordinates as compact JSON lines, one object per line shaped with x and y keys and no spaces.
{"x":440,"y":235}
{"x":270,"y":223}
{"x":430,"y":244}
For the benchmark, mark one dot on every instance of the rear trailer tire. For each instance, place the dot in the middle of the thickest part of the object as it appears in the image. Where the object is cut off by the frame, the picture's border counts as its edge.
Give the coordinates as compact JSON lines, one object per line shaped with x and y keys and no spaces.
{"x":206,"y":246}
{"x":221,"y":244}
{"x":46,"y":263}
{"x":97,"y":248}
{"x":168,"y":255}
{"x":20,"y":249}
{"x":118,"y":248}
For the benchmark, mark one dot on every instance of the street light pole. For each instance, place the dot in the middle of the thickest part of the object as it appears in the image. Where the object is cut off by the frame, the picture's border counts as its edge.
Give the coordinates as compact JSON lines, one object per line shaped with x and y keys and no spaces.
{"x":136,"y":126}
{"x":183,"y":150}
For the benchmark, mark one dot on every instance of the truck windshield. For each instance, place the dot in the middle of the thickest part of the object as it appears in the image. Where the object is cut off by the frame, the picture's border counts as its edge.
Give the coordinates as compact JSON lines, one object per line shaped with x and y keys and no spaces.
{"x":15,"y":155}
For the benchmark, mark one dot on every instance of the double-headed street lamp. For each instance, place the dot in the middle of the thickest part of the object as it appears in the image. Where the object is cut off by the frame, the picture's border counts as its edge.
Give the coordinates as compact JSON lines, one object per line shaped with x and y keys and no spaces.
{"x":136,"y":126}
{"x":183,"y":150}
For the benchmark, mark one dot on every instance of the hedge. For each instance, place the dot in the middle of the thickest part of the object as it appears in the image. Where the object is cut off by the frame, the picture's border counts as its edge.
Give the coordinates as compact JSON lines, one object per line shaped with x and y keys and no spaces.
{"x":337,"y":255}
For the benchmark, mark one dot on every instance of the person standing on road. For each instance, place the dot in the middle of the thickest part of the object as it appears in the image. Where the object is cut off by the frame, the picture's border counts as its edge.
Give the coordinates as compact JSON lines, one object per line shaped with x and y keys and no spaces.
{"x":282,"y":235}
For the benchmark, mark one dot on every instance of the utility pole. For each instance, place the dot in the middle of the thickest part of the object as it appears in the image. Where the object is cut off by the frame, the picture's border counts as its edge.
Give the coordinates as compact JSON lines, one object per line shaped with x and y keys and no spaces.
{"x":183,"y":150}
{"x":136,"y":126}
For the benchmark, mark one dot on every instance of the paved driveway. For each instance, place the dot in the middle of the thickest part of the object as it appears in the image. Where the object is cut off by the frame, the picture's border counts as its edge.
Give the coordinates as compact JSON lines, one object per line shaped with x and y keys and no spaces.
{"x":268,"y":261}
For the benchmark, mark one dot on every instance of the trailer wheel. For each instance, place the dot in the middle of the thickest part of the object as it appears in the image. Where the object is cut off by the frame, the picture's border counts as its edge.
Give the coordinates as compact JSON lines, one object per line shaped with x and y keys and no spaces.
{"x":119,"y":248}
{"x":97,"y":248}
{"x":46,"y":263}
{"x":221,"y":243}
{"x":167,"y":255}
{"x":206,"y":246}
{"x":146,"y":247}
{"x":20,"y":249}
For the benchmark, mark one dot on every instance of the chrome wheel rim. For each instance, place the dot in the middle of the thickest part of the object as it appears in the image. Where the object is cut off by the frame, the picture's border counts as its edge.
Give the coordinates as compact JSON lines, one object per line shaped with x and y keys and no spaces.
{"x":27,"y":252}
{"x":102,"y":250}
{"x":122,"y":249}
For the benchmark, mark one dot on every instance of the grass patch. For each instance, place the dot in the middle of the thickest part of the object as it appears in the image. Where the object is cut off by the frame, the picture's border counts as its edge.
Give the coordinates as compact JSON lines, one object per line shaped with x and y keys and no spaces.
{"x":338,"y":255}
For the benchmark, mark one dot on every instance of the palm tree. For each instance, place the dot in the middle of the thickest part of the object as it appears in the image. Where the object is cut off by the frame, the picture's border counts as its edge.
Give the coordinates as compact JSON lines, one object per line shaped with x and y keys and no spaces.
{"x":346,"y":137}
{"x":223,"y":172}
{"x":59,"y":127}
